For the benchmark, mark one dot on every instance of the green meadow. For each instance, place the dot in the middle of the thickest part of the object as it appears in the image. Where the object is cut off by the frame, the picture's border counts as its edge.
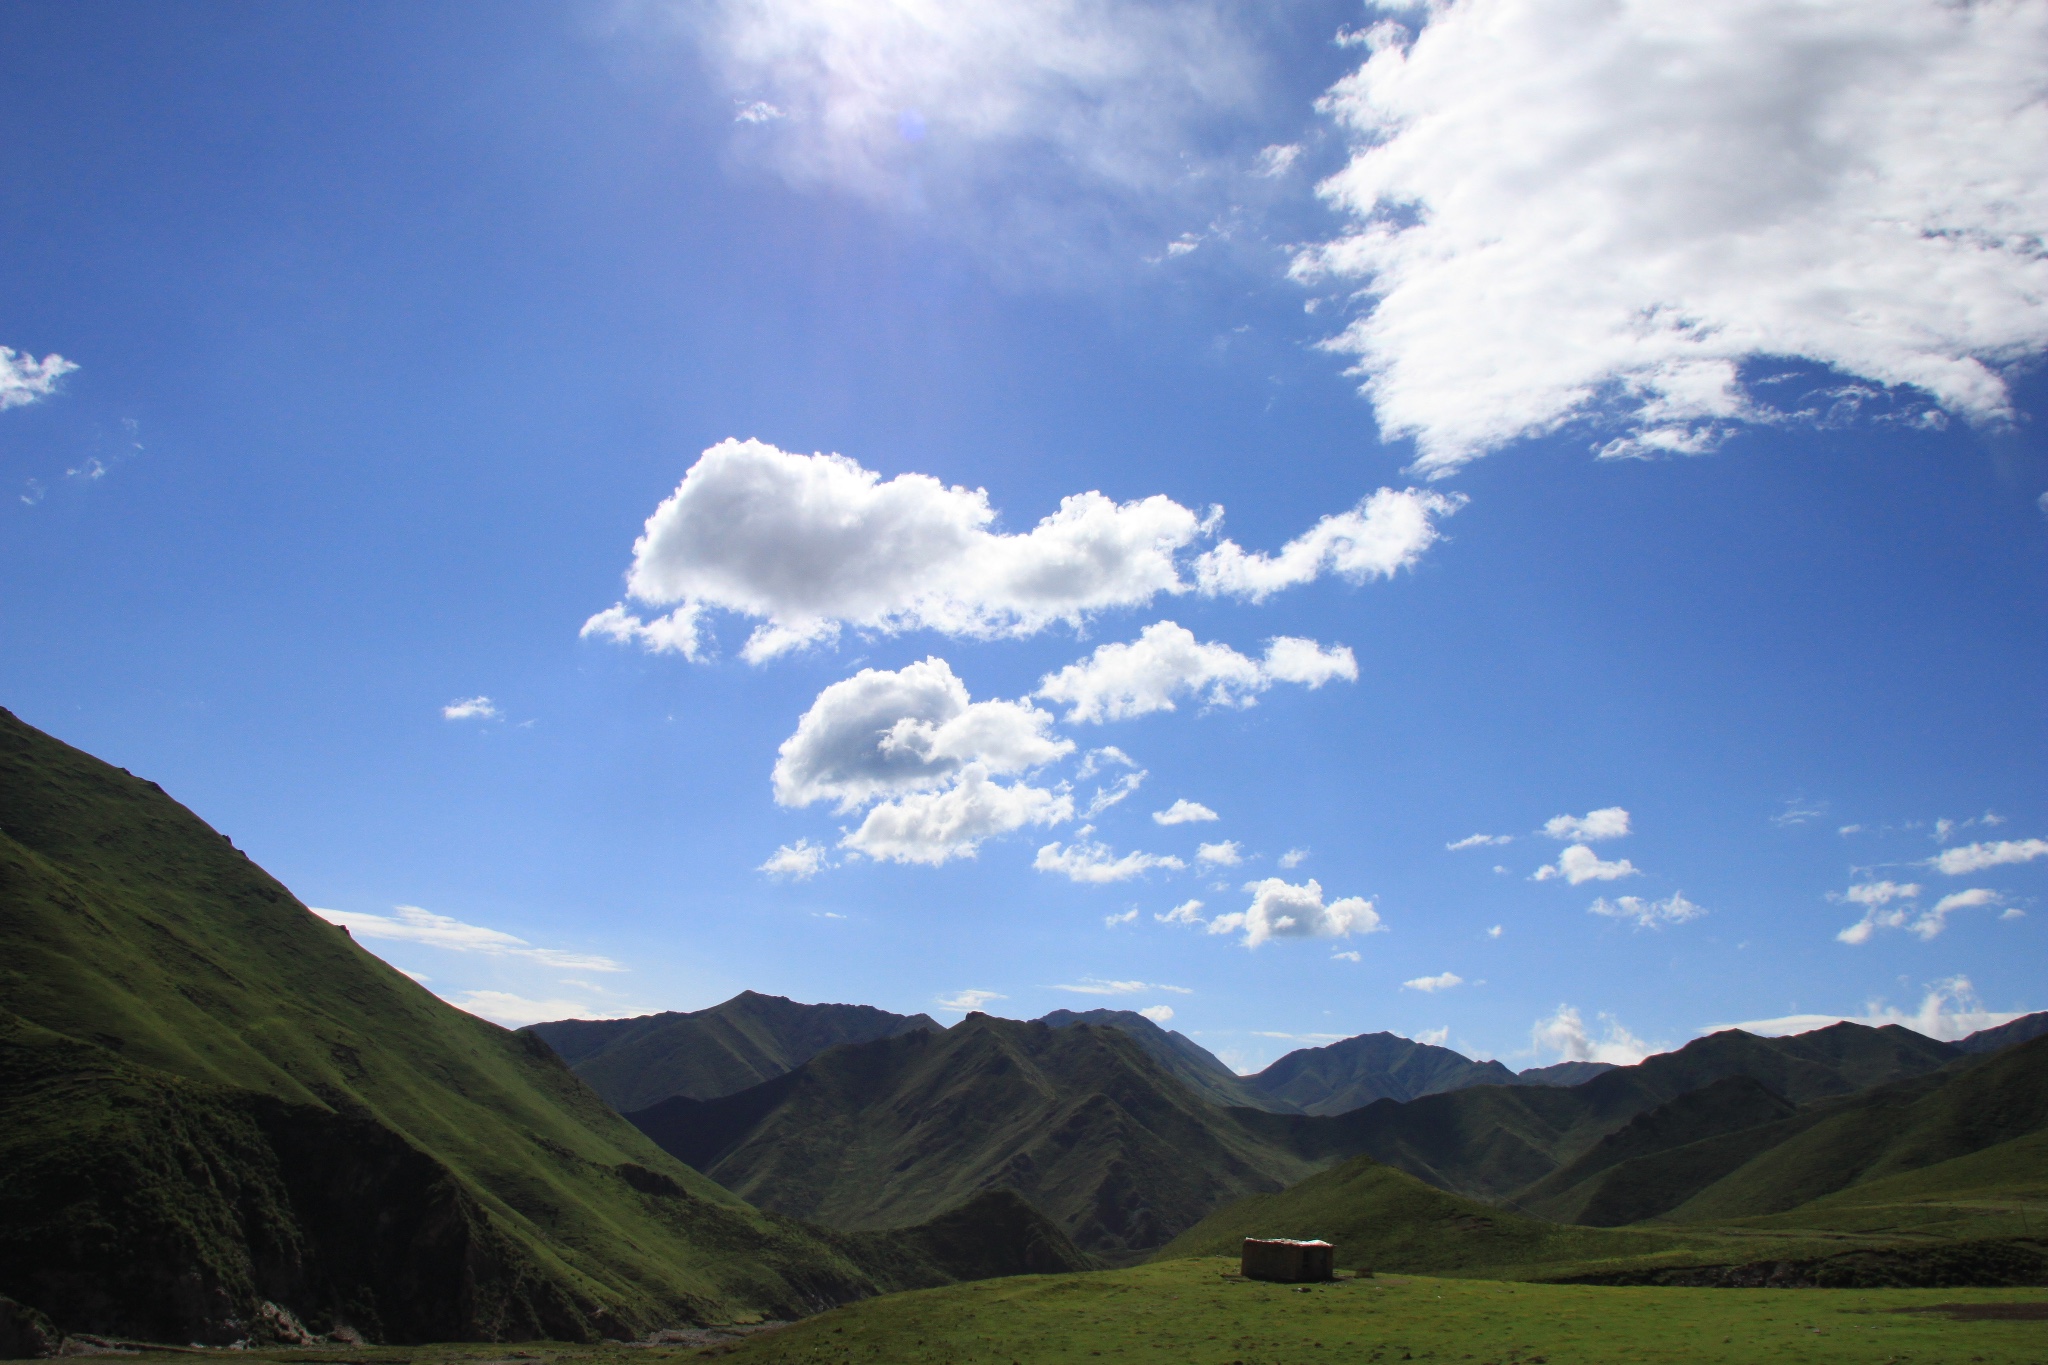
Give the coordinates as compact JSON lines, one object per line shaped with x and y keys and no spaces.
{"x":1197,"y":1312}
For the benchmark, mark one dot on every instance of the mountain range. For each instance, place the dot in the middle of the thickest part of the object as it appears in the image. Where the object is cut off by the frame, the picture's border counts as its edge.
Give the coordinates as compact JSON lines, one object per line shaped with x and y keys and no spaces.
{"x":1104,"y":1136}
{"x":229,"y":1123}
{"x":705,"y":1054}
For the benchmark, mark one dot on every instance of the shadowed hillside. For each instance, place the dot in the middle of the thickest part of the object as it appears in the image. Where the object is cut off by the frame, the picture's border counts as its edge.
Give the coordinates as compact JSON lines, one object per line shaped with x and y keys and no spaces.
{"x":749,"y":1039}
{"x":1078,"y":1120}
{"x":224,"y":1115}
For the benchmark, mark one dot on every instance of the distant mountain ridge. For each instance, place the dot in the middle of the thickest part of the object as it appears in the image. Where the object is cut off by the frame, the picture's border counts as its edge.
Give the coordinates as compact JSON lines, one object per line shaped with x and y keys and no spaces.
{"x":703,"y":1054}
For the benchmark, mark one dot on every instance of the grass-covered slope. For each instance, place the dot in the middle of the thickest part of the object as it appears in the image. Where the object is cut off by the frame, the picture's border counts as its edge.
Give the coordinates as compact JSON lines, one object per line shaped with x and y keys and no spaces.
{"x":1079,"y":1120}
{"x":1889,"y":1130}
{"x":1379,"y":1218}
{"x":127,"y":924}
{"x":751,"y":1038}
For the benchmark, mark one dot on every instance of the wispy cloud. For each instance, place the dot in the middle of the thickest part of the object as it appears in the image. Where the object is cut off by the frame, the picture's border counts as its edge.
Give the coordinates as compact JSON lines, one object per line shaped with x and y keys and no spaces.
{"x":1479,"y":841}
{"x":1092,"y":985}
{"x":1647,"y":914}
{"x":1949,"y":1010}
{"x":516,"y":1011}
{"x":411,"y":924}
{"x":1095,"y":863}
{"x":470,"y":708}
{"x":968,"y":1001}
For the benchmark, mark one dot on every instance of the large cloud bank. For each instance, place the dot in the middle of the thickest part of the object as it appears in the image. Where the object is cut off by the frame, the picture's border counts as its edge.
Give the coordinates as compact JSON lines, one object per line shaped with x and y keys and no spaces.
{"x":1566,"y":208}
{"x":807,"y":544}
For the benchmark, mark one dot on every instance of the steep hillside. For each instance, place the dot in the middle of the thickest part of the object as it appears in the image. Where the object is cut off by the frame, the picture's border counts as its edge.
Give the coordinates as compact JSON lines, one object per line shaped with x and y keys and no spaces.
{"x":2023,"y":1029}
{"x":1383,"y":1219}
{"x":196,"y":1064}
{"x":1079,"y":1120}
{"x":1734,"y":1150}
{"x":1372,"y":1066}
{"x":750,"y":1038}
{"x":1890,"y":1130}
{"x":1184,"y":1059}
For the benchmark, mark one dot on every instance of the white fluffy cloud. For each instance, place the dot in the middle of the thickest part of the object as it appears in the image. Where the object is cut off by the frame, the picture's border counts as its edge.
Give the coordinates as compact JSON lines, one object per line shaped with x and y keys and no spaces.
{"x":936,"y":826}
{"x":1610,"y":822}
{"x":883,"y":733}
{"x":1119,"y":681}
{"x":1647,"y":914}
{"x":1579,"y":864}
{"x":1293,"y":857}
{"x":1949,"y":1010}
{"x":411,"y":924}
{"x":1442,"y":981}
{"x":1564,"y":209}
{"x":1096,"y":864}
{"x":24,"y":379}
{"x":1183,"y":811}
{"x":1565,"y":1034}
{"x":799,"y":861}
{"x":1960,"y":862}
{"x":1158,"y":1014}
{"x":1384,"y":534}
{"x":1226,"y":853}
{"x":470,"y":708}
{"x":1187,"y":912}
{"x":1280,"y":909}
{"x":808,"y":544}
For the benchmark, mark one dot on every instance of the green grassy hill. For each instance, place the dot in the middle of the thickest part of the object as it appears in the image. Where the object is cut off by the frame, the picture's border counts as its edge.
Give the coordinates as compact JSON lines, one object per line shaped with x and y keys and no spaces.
{"x":197,"y":1065}
{"x":751,"y":1038}
{"x":1383,"y":1219}
{"x":1887,"y":1131}
{"x":1078,"y":1120}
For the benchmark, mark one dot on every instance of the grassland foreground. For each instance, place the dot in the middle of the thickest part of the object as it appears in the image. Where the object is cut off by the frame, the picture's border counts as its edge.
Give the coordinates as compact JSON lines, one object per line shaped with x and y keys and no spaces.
{"x":1198,"y":1312}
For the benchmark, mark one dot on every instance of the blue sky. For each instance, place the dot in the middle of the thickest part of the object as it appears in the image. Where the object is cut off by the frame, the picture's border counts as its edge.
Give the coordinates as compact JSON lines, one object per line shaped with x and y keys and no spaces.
{"x":1696,"y":356}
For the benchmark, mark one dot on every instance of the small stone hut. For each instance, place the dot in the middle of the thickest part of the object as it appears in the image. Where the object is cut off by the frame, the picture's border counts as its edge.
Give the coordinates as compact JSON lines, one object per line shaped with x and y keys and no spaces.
{"x":1288,"y":1261}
